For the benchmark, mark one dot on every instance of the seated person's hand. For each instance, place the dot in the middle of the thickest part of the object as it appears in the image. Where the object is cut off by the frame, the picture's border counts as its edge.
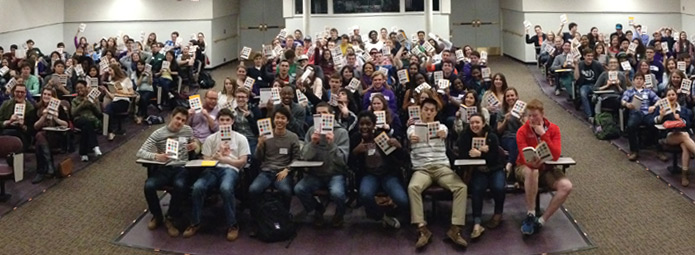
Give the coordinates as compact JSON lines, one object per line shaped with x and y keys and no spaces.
{"x":474,"y":153}
{"x":315,"y":137}
{"x":393,"y":142}
{"x":161,"y":157}
{"x":441,"y":134}
{"x":411,"y":122}
{"x":192,"y":146}
{"x":414,"y":138}
{"x":485,"y":148}
{"x":330,"y":137}
{"x":282,"y":174}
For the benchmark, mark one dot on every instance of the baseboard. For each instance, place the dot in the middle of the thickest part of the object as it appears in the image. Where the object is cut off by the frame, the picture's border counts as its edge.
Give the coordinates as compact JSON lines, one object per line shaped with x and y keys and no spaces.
{"x":220,"y":65}
{"x":521,"y":61}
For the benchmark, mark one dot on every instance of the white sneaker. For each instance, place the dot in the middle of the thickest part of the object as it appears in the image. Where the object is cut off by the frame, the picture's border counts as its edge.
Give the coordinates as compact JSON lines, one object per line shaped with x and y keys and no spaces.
{"x":97,"y":151}
{"x":391,"y":222}
{"x":85,"y":158}
{"x":557,"y":92}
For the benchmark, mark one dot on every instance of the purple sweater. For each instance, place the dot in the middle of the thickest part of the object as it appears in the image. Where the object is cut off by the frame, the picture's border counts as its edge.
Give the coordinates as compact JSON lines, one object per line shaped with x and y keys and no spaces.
{"x":388,"y":94}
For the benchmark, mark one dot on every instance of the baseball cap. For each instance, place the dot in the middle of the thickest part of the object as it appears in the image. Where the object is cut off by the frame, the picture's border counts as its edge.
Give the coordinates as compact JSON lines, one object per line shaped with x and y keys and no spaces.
{"x":303,"y":57}
{"x":307,"y":38}
{"x":618,"y":26}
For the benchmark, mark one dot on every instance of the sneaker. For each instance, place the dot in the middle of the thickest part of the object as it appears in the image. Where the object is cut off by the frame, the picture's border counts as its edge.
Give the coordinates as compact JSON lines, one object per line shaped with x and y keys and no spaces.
{"x":391,"y":222}
{"x":557,"y":92}
{"x":171,"y":229}
{"x":477,"y":231}
{"x":111,"y":136}
{"x":84,"y":158}
{"x":591,"y":120}
{"x":233,"y":233}
{"x":190,"y":231}
{"x":424,"y":237}
{"x":529,"y":225}
{"x":337,"y":221}
{"x":97,"y":151}
{"x":154,"y":223}
{"x":454,"y":234}
{"x":661,"y":156}
{"x":632,"y":156}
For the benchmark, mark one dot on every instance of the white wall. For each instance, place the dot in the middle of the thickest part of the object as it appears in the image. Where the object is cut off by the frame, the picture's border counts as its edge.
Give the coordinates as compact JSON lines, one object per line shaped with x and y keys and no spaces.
{"x":589,"y":13}
{"x":38,"y":20}
{"x":409,"y":22}
{"x":223,"y":36}
{"x":688,"y":16}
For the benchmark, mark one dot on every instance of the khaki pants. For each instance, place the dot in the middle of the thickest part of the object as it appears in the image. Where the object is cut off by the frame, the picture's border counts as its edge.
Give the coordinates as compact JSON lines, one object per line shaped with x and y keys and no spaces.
{"x":445,"y":178}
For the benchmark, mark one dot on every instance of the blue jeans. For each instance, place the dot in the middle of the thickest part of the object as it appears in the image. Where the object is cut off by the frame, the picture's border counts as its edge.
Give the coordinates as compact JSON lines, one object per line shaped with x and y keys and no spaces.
{"x":253,"y":143}
{"x":336,"y":187}
{"x":509,"y":144}
{"x":225,"y":179}
{"x":494,"y":180}
{"x":390,"y":184}
{"x":165,"y":84}
{"x":145,"y":97}
{"x":160,"y":177}
{"x":634,"y":120}
{"x":264,"y":180}
{"x":585,"y":91}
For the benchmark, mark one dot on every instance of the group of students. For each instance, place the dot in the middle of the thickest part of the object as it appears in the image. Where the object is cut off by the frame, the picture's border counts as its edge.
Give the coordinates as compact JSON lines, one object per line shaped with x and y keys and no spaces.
{"x":45,"y":96}
{"x":648,"y":76}
{"x":372,"y":106}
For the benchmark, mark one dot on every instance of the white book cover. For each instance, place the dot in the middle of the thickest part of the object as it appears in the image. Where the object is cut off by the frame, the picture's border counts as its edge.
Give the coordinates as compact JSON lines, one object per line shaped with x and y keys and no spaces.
{"x":195,"y":103}
{"x":631,"y":21}
{"x":93,"y":95}
{"x":301,"y":98}
{"x":685,"y":86}
{"x":306,"y":73}
{"x":648,"y":83}
{"x":166,"y":64}
{"x":467,"y":112}
{"x":248,"y":83}
{"x":78,"y":70}
{"x":245,"y":53}
{"x":10,"y":84}
{"x":527,"y":25}
{"x":93,"y":81}
{"x":423,"y":86}
{"x":20,"y":54}
{"x":82,"y":27}
{"x":664,"y":47}
{"x":403,"y":77}
{"x":443,"y":84}
{"x":383,"y":70}
{"x":414,"y":113}
{"x":226,"y":132}
{"x":148,"y":68}
{"x":265,"y":128}
{"x":354,"y":85}
{"x":438,"y":75}
{"x":663,"y":104}
{"x":541,"y":152}
{"x":631,"y":49}
{"x":483,"y":56}
{"x":637,"y":102}
{"x":681,"y":65}
{"x":428,"y":47}
{"x":266,"y":95}
{"x":275,"y":95}
{"x":4,"y":70}
{"x":278,"y":51}
{"x":382,"y":140}
{"x":459,"y":55}
{"x":415,"y":51}
{"x":485,"y":72}
{"x":268,"y":51}
{"x":386,"y":50}
{"x":380,"y":118}
{"x":334,"y":99}
{"x":172,"y":149}
{"x":626,"y":65}
{"x":491,"y":99}
{"x":63,"y":79}
{"x":563,"y":19}
{"x":518,"y":109}
{"x":19,"y":110}
{"x":327,"y":121}
{"x":477,"y":142}
{"x":282,"y":34}
{"x":613,"y":75}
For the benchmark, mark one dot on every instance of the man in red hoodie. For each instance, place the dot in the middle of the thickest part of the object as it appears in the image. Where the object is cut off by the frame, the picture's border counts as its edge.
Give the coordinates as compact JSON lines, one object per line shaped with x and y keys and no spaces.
{"x":536,"y":130}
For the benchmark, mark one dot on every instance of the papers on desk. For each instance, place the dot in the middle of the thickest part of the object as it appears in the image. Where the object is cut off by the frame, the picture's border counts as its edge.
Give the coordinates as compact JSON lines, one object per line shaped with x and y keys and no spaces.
{"x":201,"y":163}
{"x":56,"y":129}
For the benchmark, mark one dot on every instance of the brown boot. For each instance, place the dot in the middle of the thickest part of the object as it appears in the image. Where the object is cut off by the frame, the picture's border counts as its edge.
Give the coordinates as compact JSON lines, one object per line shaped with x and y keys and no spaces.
{"x":233,"y":233}
{"x":684,"y":178}
{"x":424,"y":236}
{"x":454,"y":234}
{"x":171,"y":229}
{"x":154,"y":223}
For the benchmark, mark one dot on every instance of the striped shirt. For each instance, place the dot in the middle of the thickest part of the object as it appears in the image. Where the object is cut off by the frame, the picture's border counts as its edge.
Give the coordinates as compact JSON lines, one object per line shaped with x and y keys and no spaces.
{"x":647,"y":94}
{"x":425,"y":153}
{"x":157,"y":142}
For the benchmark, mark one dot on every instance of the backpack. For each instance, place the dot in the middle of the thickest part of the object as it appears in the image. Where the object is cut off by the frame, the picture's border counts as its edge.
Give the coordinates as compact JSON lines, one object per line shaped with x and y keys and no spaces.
{"x":606,"y":128}
{"x":274,"y":221}
{"x":205,"y":80}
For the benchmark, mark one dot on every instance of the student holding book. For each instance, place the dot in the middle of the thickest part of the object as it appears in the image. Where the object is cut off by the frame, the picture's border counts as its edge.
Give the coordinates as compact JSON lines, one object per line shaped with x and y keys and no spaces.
{"x":585,"y":74}
{"x":86,"y":116}
{"x":392,"y":123}
{"x":379,"y":86}
{"x":507,"y":127}
{"x":50,"y":114}
{"x":679,"y":136}
{"x":30,"y":81}
{"x":640,"y":102}
{"x":227,"y":96}
{"x":537,"y":39}
{"x":377,"y":163}
{"x":246,"y":117}
{"x":231,"y":150}
{"x":155,"y":148}
{"x":612,"y":80}
{"x":120,"y":98}
{"x":297,"y":122}
{"x":275,"y":155}
{"x":15,"y":123}
{"x":59,"y":80}
{"x":332,"y":148}
{"x":533,"y":172}
{"x":480,"y":141}
{"x":431,"y":165}
{"x":470,"y":100}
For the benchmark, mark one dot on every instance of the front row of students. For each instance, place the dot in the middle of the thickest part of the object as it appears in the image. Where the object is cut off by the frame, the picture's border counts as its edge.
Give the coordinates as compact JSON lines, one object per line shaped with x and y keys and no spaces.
{"x":363,"y":153}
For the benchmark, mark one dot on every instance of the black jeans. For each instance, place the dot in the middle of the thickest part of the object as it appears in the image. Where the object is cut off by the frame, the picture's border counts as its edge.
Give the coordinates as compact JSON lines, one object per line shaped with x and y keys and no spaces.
{"x":88,"y":137}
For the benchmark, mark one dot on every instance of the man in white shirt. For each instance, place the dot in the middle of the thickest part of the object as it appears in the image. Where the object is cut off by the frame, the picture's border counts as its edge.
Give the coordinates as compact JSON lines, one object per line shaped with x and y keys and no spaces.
{"x":231,"y":150}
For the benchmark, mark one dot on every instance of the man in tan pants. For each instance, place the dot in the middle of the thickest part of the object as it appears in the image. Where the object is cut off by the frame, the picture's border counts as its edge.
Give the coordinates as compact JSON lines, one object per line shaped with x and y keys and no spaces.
{"x":431,"y":165}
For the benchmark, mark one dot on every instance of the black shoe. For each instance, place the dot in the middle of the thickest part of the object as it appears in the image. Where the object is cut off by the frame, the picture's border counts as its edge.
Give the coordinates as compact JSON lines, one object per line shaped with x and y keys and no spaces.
{"x":37,"y":179}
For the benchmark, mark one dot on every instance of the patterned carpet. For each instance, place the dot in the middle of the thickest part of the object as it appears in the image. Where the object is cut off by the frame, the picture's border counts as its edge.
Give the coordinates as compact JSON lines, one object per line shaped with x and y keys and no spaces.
{"x":623,"y":209}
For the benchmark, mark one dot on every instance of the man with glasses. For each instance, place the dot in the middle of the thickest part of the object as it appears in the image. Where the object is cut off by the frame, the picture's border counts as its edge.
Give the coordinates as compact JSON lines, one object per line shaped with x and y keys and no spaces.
{"x":246,"y":117}
{"x":14,"y":124}
{"x":203,"y":122}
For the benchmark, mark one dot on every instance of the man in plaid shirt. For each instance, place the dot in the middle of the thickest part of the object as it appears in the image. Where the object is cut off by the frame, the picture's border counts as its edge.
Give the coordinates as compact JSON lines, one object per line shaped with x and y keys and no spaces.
{"x":641,"y":116}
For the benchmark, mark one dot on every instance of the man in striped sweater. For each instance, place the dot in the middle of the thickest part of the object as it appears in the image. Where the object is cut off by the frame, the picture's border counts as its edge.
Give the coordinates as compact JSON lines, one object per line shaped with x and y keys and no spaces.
{"x":430,"y":164}
{"x":154,"y":148}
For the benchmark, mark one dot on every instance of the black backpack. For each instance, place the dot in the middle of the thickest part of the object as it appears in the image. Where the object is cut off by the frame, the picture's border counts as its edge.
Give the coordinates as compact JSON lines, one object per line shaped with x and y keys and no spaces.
{"x":205,"y":80}
{"x":274,"y":221}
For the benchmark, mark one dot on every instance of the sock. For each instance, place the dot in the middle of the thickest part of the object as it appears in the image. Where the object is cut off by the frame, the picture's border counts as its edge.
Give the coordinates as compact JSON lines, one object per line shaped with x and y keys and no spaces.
{"x":541,"y":221}
{"x":532,"y":212}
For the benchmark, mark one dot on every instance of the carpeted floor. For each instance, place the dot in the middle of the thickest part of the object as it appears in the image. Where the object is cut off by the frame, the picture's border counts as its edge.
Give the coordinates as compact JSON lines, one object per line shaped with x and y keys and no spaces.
{"x":624,"y":209}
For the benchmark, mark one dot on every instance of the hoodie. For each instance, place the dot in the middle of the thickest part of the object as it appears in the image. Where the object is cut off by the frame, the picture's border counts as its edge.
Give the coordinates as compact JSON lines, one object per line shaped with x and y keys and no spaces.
{"x":334,"y":156}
